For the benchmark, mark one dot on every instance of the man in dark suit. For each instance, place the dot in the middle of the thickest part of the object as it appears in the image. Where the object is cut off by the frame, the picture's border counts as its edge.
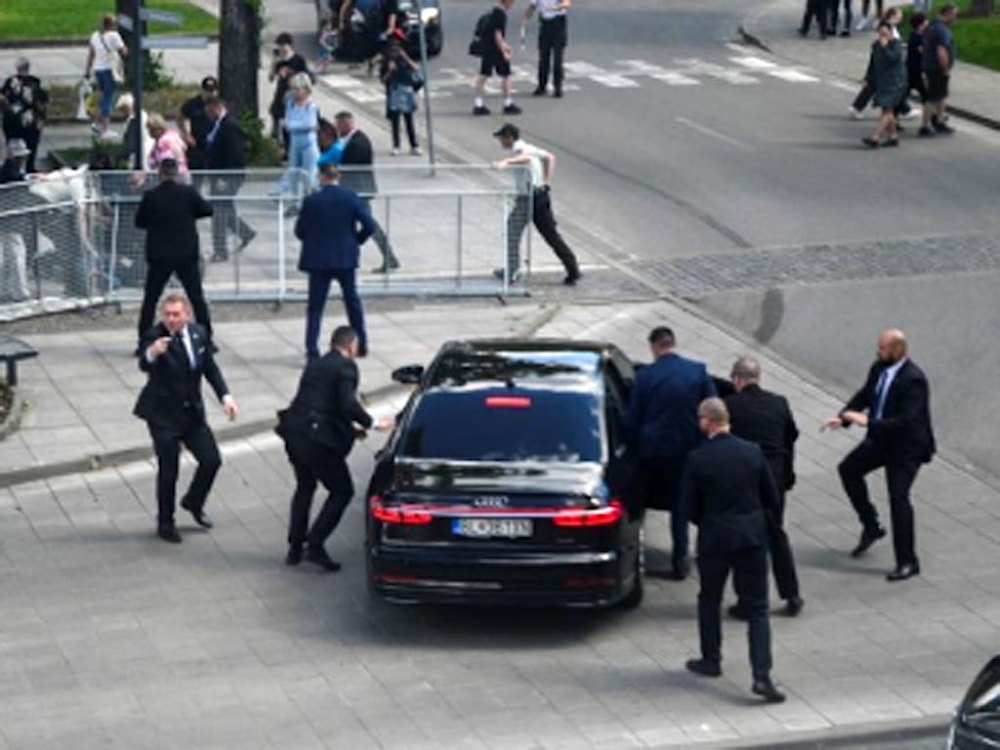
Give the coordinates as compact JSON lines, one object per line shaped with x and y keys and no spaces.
{"x":727,"y":490}
{"x":319,"y":428}
{"x":333,"y":224}
{"x":894,"y":404}
{"x":176,"y":354}
{"x":663,"y":428}
{"x":168,"y":213}
{"x":358,"y":159}
{"x":764,"y":418}
{"x":226,"y":155}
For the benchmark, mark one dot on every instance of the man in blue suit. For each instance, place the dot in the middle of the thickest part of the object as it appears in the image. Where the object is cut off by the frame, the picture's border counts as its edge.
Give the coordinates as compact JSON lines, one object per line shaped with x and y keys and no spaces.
{"x":663,"y":426}
{"x":333,"y":224}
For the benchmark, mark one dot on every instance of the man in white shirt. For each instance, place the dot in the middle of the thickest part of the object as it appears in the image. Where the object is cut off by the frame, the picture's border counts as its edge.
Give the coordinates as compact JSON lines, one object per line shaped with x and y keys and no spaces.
{"x":552,"y":39}
{"x":533,"y":183}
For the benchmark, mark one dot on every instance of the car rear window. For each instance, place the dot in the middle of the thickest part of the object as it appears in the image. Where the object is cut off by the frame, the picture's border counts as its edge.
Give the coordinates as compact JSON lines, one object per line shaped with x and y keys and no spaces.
{"x":502,"y":424}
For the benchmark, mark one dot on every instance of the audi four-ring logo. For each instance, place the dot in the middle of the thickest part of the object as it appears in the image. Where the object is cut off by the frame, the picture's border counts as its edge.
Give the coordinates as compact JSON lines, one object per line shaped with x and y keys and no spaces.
{"x":491,"y":501}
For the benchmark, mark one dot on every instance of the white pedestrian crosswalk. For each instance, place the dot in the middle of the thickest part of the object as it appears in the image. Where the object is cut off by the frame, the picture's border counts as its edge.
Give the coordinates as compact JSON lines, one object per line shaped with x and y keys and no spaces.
{"x":739,"y":68}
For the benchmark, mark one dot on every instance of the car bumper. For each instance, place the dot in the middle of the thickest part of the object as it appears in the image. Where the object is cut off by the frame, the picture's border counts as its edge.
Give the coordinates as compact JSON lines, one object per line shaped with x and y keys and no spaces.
{"x":569,"y":579}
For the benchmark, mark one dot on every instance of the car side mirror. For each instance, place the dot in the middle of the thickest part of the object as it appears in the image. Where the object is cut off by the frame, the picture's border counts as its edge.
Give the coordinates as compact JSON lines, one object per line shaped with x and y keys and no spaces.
{"x":408,"y":374}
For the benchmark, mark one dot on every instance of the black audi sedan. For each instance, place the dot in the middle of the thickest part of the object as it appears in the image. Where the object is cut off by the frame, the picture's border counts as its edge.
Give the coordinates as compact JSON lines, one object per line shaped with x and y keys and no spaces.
{"x":507,"y":480}
{"x":976,"y":725}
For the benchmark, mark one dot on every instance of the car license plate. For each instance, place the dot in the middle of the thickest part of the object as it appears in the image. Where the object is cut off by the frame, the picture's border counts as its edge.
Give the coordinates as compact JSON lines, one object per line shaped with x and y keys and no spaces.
{"x":482,"y":528}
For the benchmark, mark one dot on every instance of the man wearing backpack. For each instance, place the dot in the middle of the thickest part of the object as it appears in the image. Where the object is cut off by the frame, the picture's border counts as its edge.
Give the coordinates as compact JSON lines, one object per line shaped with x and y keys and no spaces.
{"x":495,"y":55}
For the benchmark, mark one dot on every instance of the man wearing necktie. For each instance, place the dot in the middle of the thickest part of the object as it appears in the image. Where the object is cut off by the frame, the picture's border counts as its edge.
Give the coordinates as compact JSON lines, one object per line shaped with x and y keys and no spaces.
{"x":176,"y":354}
{"x":894,"y":404}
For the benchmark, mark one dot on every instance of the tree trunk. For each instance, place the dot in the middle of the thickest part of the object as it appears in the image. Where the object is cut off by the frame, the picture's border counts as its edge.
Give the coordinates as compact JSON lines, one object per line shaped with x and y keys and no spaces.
{"x":981,"y":8}
{"x":239,"y":54}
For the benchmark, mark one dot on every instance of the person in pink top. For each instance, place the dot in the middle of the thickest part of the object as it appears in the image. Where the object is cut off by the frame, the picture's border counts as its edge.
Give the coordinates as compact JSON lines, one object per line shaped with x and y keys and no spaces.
{"x":167,"y":144}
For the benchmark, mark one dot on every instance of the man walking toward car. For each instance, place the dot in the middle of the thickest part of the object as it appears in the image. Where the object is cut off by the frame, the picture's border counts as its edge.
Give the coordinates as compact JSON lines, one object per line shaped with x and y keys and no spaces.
{"x":765,"y":418}
{"x":333,"y":224}
{"x":663,"y":429}
{"x":552,"y":39}
{"x":727,"y":490}
{"x":319,"y":428}
{"x":894,"y":404}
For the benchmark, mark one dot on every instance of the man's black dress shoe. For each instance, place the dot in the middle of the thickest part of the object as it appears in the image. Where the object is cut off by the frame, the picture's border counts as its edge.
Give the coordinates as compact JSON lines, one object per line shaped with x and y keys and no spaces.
{"x":679,"y":571}
{"x":793,"y":606}
{"x":294,"y":556}
{"x":704,"y":667}
{"x":868,"y":538}
{"x":318,"y":556}
{"x":903,"y":572}
{"x":200,"y":516}
{"x":540,"y":91}
{"x":766,"y":690}
{"x":738,"y":613}
{"x":169,"y":534}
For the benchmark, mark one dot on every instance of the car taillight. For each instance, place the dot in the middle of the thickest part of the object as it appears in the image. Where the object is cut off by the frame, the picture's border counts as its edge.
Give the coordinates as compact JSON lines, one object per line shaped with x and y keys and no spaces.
{"x":407,"y":515}
{"x":587,"y":517}
{"x":508,"y":402}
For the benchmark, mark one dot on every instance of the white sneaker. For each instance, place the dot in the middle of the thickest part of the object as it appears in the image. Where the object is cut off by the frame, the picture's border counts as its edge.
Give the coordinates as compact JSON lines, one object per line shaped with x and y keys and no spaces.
{"x":108,"y":135}
{"x":415,"y":151}
{"x":862,"y":24}
{"x":394,"y":152}
{"x":857,"y":114}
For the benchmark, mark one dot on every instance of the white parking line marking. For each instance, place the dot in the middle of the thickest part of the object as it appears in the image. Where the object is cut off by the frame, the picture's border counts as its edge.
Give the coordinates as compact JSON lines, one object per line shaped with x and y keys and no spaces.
{"x":714,"y":134}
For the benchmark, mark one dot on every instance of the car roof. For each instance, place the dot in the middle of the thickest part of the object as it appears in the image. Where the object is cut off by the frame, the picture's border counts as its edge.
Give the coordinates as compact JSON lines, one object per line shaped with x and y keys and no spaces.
{"x":517,"y":361}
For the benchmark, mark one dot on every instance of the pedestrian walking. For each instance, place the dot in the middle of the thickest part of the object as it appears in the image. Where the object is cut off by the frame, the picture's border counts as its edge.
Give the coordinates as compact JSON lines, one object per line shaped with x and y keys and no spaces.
{"x":764,"y":418}
{"x":496,"y":58}
{"x":397,"y":74}
{"x":893,"y":17}
{"x":225,"y":156}
{"x":534,"y":199}
{"x":889,"y":76}
{"x":319,"y":428}
{"x":663,"y":429}
{"x":302,"y":123}
{"x":357,"y":157}
{"x":15,"y":225}
{"x":105,"y":51}
{"x":168,"y":213}
{"x":126,"y":105}
{"x":848,"y":16}
{"x":24,"y":103}
{"x":939,"y":59}
{"x":915,"y":55}
{"x":816,"y":10}
{"x":194,"y":124}
{"x":728,"y":490}
{"x":333,"y":224}
{"x":553,"y":36}
{"x":894,"y":404}
{"x":176,"y":354}
{"x":285,"y":64}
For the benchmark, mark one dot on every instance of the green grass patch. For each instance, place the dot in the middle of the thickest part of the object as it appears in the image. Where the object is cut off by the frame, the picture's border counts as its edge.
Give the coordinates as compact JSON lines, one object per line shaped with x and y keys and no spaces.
{"x":977,"y":39}
{"x":22,"y":20}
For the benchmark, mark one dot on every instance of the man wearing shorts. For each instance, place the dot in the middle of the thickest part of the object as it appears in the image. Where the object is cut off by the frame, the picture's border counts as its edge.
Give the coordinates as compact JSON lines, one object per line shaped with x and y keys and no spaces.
{"x":939,"y":58}
{"x":496,"y":57}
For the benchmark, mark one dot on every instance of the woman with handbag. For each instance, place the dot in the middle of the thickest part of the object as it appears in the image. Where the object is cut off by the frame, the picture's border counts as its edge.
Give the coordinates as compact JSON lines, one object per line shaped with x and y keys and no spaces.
{"x":402,"y":78}
{"x":104,"y":58}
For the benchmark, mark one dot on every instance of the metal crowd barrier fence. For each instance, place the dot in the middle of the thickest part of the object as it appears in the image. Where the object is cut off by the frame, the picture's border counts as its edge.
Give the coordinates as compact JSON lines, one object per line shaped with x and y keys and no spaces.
{"x":68,"y":239}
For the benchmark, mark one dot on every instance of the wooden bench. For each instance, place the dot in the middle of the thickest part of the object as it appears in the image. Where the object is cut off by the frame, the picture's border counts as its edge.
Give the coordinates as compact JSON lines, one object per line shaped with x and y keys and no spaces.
{"x":12,"y":351}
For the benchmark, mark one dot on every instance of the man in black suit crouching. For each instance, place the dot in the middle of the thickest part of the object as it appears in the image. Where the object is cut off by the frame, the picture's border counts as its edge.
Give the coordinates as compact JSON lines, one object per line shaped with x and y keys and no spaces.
{"x":894,"y":404}
{"x":176,"y":354}
{"x":319,"y":428}
{"x":765,"y":418}
{"x":726,"y":491}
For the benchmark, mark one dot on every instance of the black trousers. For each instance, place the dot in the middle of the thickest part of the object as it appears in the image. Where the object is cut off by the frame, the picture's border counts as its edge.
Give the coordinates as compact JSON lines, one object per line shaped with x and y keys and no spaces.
{"x":157,"y":275}
{"x":545,"y":223}
{"x":782,"y":561}
{"x":196,"y":436}
{"x":661,"y":481}
{"x":552,"y":38}
{"x":749,"y":568}
{"x":411,"y":131}
{"x":814,"y":9}
{"x":314,"y":463}
{"x":900,"y":473}
{"x":225,"y":219}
